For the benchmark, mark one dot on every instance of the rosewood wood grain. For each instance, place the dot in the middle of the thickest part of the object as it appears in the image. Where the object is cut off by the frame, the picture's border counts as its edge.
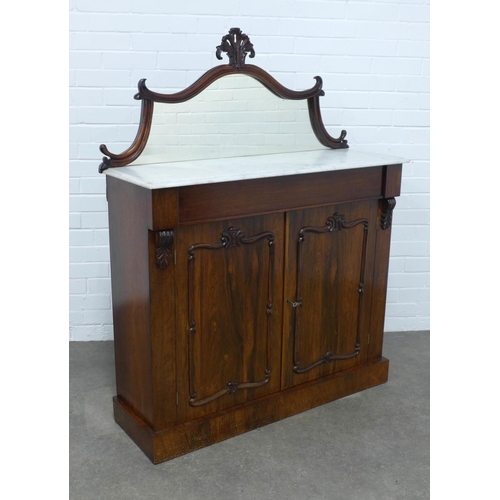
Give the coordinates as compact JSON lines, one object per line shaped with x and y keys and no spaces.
{"x":380,"y":276}
{"x":162,"y":333}
{"x":164,"y":212}
{"x":333,"y":224}
{"x":224,"y":344}
{"x":392,"y":180}
{"x":323,"y":274}
{"x":128,"y":241}
{"x":190,"y":436}
{"x":143,"y":308}
{"x":232,"y":237}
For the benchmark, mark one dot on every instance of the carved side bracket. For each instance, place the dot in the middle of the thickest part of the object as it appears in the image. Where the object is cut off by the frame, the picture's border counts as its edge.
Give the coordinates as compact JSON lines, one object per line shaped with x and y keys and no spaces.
{"x":335,"y":223}
{"x":232,"y":237}
{"x":137,"y":147}
{"x":387,"y":209}
{"x":164,"y":248}
{"x":319,"y":128}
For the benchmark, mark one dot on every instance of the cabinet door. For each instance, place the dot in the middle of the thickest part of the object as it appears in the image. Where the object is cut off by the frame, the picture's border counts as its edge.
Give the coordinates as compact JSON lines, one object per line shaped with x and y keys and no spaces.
{"x":329,"y":272}
{"x":229,"y":278}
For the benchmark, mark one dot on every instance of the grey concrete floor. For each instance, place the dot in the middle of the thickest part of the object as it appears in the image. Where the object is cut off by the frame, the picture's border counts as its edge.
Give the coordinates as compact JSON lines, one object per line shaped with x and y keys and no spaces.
{"x":372,"y":445}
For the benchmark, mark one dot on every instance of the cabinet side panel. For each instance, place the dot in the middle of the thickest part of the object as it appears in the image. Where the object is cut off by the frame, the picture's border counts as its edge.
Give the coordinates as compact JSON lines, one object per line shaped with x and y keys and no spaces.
{"x":380,"y":274}
{"x":162,"y":289}
{"x":128,"y":207}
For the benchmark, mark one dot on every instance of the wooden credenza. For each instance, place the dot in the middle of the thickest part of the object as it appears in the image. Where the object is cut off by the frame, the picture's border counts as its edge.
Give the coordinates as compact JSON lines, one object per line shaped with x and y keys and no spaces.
{"x":246,"y":298}
{"x":249,"y":272}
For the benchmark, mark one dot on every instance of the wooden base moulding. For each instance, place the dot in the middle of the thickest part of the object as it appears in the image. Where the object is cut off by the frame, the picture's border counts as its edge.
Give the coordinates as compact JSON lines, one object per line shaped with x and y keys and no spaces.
{"x":184,"y":438}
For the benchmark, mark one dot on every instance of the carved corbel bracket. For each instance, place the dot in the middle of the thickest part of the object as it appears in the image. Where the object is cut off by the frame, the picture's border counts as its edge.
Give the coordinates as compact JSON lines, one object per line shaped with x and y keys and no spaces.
{"x":388,"y":205}
{"x":164,"y":248}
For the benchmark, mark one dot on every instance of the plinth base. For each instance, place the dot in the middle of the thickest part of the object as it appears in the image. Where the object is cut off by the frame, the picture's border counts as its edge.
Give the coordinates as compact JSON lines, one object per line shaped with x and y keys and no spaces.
{"x":190,"y":436}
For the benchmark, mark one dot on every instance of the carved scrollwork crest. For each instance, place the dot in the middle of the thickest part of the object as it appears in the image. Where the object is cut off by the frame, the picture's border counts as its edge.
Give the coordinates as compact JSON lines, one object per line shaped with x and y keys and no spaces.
{"x":236,"y":45}
{"x":336,"y":222}
{"x":232,"y":237}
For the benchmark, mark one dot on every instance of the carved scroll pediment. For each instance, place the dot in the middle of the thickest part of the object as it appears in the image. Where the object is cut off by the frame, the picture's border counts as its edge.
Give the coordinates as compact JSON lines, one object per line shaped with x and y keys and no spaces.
{"x":237,"y":47}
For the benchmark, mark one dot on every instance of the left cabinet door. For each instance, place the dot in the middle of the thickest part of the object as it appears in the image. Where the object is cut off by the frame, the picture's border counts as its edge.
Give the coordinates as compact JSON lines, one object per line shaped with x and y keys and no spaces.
{"x":228,"y":315}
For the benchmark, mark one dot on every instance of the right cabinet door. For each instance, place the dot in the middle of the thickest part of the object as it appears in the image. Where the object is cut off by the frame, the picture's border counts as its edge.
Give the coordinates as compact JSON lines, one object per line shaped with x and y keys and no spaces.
{"x":329,"y":265}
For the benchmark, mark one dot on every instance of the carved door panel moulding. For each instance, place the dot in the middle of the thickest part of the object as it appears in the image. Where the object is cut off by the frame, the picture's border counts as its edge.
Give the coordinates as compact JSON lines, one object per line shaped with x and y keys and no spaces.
{"x":230,"y":238}
{"x":333,"y":224}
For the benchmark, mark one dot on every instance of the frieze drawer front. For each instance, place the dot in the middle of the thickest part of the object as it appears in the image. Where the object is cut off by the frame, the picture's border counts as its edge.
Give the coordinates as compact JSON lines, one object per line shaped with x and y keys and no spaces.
{"x":211,"y":201}
{"x":249,"y":254}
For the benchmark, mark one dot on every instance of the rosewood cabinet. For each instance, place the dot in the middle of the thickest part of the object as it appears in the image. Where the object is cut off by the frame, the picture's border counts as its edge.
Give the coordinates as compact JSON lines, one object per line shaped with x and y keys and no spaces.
{"x":249,"y":279}
{"x":226,"y":323}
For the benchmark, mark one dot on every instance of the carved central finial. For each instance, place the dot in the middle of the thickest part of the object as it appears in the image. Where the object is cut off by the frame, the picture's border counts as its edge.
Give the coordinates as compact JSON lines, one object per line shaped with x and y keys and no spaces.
{"x":236,"y":45}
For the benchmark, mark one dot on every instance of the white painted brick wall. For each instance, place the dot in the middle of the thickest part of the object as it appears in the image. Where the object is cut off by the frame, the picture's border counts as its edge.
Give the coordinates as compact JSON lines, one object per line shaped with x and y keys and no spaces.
{"x":374,"y":60}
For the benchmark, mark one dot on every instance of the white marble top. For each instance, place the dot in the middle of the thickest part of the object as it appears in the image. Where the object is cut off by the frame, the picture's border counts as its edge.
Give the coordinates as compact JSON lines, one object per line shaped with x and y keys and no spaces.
{"x":189,"y":173}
